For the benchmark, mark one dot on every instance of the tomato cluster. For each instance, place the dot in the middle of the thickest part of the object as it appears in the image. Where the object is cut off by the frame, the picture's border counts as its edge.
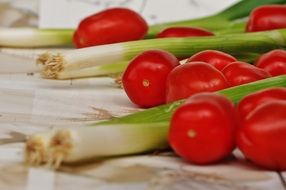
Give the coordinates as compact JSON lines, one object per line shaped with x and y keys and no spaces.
{"x":207,"y":127}
{"x":155,"y":77}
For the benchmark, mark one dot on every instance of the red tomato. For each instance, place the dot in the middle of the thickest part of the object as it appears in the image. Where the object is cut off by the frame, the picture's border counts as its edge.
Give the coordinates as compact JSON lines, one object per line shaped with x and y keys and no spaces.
{"x":183,"y":32}
{"x":251,"y":101}
{"x":267,"y":17}
{"x":216,"y":58}
{"x":188,"y":79}
{"x":273,"y":62}
{"x":238,"y":73}
{"x":262,"y":135}
{"x":144,"y":80}
{"x":203,"y":129}
{"x":110,"y":26}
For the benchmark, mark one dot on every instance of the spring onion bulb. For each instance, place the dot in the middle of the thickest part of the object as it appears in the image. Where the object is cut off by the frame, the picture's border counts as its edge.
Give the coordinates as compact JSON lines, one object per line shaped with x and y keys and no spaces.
{"x":136,"y":133}
{"x":100,"y":70}
{"x":30,"y":37}
{"x":70,"y":145}
{"x":36,"y":146}
{"x":63,"y":65}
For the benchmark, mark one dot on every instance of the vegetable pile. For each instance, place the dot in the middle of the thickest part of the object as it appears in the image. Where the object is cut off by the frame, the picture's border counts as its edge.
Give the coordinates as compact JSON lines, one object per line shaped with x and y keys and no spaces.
{"x":207,"y":127}
{"x":211,"y":85}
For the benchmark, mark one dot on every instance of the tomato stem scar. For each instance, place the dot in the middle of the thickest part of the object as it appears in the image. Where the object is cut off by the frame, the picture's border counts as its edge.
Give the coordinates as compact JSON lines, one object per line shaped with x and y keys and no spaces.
{"x":145,"y":83}
{"x":192,"y":133}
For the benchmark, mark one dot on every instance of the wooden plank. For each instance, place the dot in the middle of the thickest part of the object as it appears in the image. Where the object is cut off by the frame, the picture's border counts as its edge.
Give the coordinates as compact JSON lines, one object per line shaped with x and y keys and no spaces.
{"x":144,"y":172}
{"x":283,"y":178}
{"x":170,"y":172}
{"x":32,"y":100}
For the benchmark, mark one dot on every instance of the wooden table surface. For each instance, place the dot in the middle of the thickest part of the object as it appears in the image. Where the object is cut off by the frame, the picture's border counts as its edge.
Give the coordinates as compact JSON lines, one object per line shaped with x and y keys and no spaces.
{"x":29,"y":104}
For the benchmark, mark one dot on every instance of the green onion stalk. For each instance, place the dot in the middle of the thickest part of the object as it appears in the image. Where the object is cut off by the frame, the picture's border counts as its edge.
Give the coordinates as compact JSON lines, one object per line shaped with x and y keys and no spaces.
{"x":32,"y":37}
{"x":140,"y":132}
{"x":84,"y":62}
{"x":220,"y":23}
{"x":116,"y":69}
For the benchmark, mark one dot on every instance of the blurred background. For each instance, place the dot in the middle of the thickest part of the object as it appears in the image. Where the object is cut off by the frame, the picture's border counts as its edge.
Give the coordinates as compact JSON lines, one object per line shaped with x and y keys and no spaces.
{"x":19,"y":13}
{"x":67,"y":13}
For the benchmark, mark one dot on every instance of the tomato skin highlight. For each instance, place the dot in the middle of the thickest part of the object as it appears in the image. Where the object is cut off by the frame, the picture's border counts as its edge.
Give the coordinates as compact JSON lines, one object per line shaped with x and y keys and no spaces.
{"x":251,"y":101}
{"x":184,"y":32}
{"x":273,"y":62}
{"x":144,"y":80}
{"x":267,"y":17}
{"x":193,"y":77}
{"x":261,"y":137}
{"x":216,"y":58}
{"x":110,"y":26}
{"x":238,"y":73}
{"x":203,"y":129}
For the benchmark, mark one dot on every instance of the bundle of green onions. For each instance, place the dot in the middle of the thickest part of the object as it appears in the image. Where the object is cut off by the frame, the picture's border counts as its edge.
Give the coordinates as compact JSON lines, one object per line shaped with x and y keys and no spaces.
{"x":221,"y":22}
{"x":136,"y":133}
{"x":93,"y":61}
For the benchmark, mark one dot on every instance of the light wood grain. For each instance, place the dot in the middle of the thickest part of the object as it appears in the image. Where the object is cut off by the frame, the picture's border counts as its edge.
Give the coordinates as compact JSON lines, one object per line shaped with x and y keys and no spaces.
{"x":22,"y":60}
{"x":283,"y":176}
{"x":169,"y":172}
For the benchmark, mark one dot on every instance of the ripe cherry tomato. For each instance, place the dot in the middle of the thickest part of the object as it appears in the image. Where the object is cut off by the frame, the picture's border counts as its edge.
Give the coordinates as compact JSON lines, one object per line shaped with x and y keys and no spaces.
{"x":183,"y":32}
{"x":203,"y":129}
{"x":216,"y":58}
{"x":110,"y":26}
{"x":273,"y":62}
{"x":261,"y":137}
{"x":238,"y":73}
{"x":267,"y":17}
{"x":193,"y":77}
{"x":144,"y":80}
{"x":251,"y":101}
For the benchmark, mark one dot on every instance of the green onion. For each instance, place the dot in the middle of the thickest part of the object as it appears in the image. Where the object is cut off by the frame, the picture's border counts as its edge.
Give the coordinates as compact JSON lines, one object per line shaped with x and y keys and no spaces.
{"x":29,"y":37}
{"x":118,"y":68}
{"x":69,"y":64}
{"x":136,"y":133}
{"x":81,"y":144}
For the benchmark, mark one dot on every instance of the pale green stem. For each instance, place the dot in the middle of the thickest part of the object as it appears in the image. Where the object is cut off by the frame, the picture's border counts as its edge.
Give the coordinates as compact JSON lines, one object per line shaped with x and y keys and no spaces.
{"x":30,"y":37}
